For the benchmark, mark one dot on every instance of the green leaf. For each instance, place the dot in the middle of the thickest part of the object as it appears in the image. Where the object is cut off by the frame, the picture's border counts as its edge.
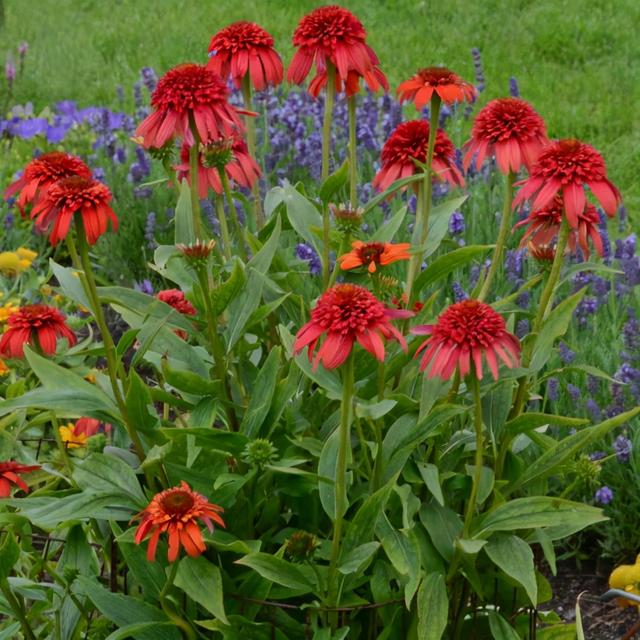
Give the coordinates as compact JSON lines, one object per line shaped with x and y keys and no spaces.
{"x":387,"y":231}
{"x":261,"y":261}
{"x":229,"y":289}
{"x":327,"y":468}
{"x":106,"y":474}
{"x":553,"y":327}
{"x":433,"y":607}
{"x":439,"y":223}
{"x":374,"y":410}
{"x":262,"y":394}
{"x":201,"y":580}
{"x":537,"y":512}
{"x":588,"y":266}
{"x":579,"y":628}
{"x":9,"y":554}
{"x":470,"y":547}
{"x":133,"y":630}
{"x":445,"y":264}
{"x":395,"y":186}
{"x":302,"y":213}
{"x":277,"y":570}
{"x":138,"y":400}
{"x":514,"y":556}
{"x":553,"y":458}
{"x":336,"y":181}
{"x":528,"y":421}
{"x":443,"y":526}
{"x":78,"y":554}
{"x":243,"y":306}
{"x":500,"y":628}
{"x":359,"y":558}
{"x":184,"y":231}
{"x":431,"y":477}
{"x":69,"y":283}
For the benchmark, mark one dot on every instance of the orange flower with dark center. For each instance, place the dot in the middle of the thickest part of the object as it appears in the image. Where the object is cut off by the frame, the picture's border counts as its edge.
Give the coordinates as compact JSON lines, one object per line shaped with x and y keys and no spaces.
{"x":567,"y":166}
{"x":334,"y":35}
{"x":510,"y":129}
{"x":36,"y":325}
{"x":10,"y":474}
{"x":407,"y":143}
{"x":544,"y":225}
{"x":238,"y":164}
{"x":41,"y":173}
{"x":346,"y":314}
{"x":69,"y":196}
{"x":373,"y":253}
{"x":245,"y":48}
{"x":176,"y":511}
{"x":449,"y":86}
{"x":463,"y":334}
{"x":189,"y":91}
{"x":175,"y":298}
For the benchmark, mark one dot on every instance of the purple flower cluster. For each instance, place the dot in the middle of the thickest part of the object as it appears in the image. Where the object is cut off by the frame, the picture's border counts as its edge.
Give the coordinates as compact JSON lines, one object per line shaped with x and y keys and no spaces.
{"x":308,"y":254}
{"x":603,"y":495}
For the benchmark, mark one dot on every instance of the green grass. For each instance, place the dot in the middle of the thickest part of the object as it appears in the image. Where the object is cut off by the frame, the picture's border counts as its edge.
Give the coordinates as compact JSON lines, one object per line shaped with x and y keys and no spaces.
{"x":576,"y":60}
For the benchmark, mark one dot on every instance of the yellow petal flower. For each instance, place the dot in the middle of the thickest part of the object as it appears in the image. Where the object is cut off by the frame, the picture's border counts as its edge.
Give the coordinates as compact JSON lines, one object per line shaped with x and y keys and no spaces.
{"x":3,"y":368}
{"x":26,"y":254}
{"x":70,"y":438}
{"x":9,"y":262}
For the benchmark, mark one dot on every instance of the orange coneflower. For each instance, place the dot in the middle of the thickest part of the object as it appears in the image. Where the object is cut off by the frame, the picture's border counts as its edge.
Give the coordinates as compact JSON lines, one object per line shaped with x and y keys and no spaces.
{"x":462,"y":334}
{"x":347,"y":314}
{"x":373,"y":253}
{"x":448,"y":86}
{"x":176,"y":511}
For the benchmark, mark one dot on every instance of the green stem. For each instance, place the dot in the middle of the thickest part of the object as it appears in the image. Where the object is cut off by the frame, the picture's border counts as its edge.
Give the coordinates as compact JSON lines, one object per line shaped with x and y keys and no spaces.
{"x":186,"y":629}
{"x":477,"y":472}
{"x":234,"y":214}
{"x":414,"y":263}
{"x":258,"y":221}
{"x":109,"y":347}
{"x":546,"y":300}
{"x":194,"y":152}
{"x":505,"y":226}
{"x":341,"y":477}
{"x":224,"y":229}
{"x":64,"y":454}
{"x":17,"y":608}
{"x":344,"y":247}
{"x":217,"y":350}
{"x":326,"y":155}
{"x":353,"y":156}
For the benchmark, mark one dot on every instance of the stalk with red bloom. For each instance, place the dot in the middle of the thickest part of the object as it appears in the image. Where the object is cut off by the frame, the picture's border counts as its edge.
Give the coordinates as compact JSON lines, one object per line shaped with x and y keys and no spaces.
{"x":10,"y":474}
{"x":38,"y":326}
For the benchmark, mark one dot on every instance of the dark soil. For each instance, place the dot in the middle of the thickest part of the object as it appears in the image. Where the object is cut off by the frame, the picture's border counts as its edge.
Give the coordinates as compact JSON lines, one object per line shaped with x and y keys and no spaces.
{"x":600,"y":620}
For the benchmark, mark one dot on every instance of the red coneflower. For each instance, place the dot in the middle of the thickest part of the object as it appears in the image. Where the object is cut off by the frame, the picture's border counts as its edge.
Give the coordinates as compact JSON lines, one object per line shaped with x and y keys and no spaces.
{"x":373,"y":253}
{"x":35,"y":325}
{"x":347,"y":313}
{"x":10,"y":474}
{"x":91,"y":426}
{"x":542,"y":253}
{"x":69,"y":196}
{"x":176,"y":511}
{"x":175,"y":298}
{"x":510,"y":129}
{"x":229,"y":154}
{"x":407,"y":143}
{"x":189,"y":91}
{"x":245,"y":48}
{"x":334,"y":35}
{"x":42,"y":172}
{"x":449,"y":86}
{"x":568,"y":166}
{"x":464,"y":333}
{"x":544,"y":226}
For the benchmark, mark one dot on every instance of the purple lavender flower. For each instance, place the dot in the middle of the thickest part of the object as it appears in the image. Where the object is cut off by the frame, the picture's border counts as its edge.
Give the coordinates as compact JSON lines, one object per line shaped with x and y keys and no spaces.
{"x":552,"y":389}
{"x":586,"y":308}
{"x":149,"y":78}
{"x":514,"y":90}
{"x":574,"y":392}
{"x":622,"y":447}
{"x":594,"y":410}
{"x":523,"y":300}
{"x":456,"y":223}
{"x":631,"y":332}
{"x":513,"y":263}
{"x":142,"y":192}
{"x":23,"y":47}
{"x":150,"y":229}
{"x":10,"y":71}
{"x":98,"y":174}
{"x":603,"y":495}
{"x":459,"y":294}
{"x":307,"y":253}
{"x":622,"y":218}
{"x":522,"y":328}
{"x":477,"y":64}
{"x":566,"y":355}
{"x":145,"y":287}
{"x":597,"y":455}
{"x":617,"y":405}
{"x":8,"y":221}
{"x":593,"y":385}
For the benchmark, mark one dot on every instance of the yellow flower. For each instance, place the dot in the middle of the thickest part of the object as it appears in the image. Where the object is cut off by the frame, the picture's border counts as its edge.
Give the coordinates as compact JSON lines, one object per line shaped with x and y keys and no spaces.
{"x":14,"y":262}
{"x":3,"y":368}
{"x":26,"y":254}
{"x":8,"y":309}
{"x":70,"y":438}
{"x":627,"y":578}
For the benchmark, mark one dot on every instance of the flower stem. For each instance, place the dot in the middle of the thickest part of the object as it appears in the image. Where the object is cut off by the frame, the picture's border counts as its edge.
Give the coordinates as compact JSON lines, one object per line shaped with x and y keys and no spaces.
{"x":326,"y":155}
{"x":505,"y":225}
{"x":18,"y":609}
{"x":546,"y":300}
{"x":217,"y":350}
{"x":194,"y":151}
{"x":251,"y":146}
{"x":341,"y":477}
{"x":234,"y":214}
{"x":64,"y":454}
{"x":167,"y":606}
{"x":477,"y":472}
{"x":224,"y":229}
{"x":415,"y":258}
{"x":353,"y":156}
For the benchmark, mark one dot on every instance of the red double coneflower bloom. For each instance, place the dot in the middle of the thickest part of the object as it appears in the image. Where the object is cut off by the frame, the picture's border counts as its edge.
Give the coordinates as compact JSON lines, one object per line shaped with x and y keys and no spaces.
{"x":407,"y":143}
{"x":230,"y":155}
{"x":448,"y":86}
{"x":566,"y":167}
{"x":175,"y":298}
{"x":10,"y":474}
{"x":509,"y":129}
{"x":544,"y":224}
{"x":346,"y":314}
{"x":465,"y":333}
{"x":176,"y":512}
{"x":333,"y":35}
{"x":76,"y":195}
{"x":189,"y":91}
{"x":35,"y":325}
{"x":42,"y":172}
{"x":373,"y":254}
{"x":245,"y":48}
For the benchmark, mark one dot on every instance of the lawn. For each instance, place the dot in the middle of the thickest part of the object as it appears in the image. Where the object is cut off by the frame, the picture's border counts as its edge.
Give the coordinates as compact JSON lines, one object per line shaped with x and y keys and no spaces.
{"x":576,"y":61}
